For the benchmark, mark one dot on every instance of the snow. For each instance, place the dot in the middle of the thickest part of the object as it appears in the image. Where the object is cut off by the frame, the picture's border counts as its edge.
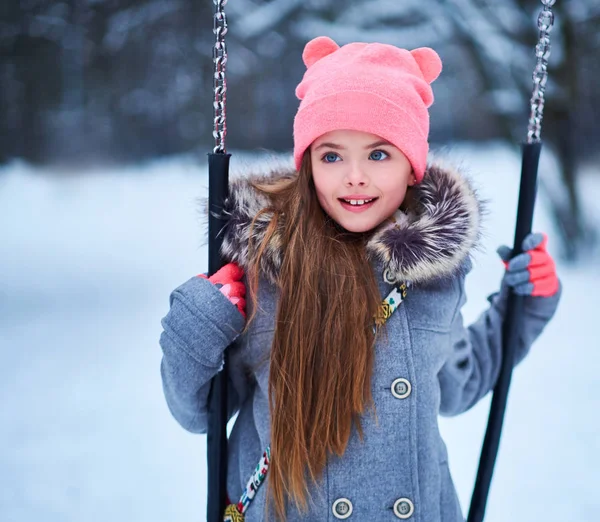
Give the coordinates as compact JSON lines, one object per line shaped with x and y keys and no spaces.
{"x":86,"y":266}
{"x":121,"y":24}
{"x":264,"y":19}
{"x":414,"y":36}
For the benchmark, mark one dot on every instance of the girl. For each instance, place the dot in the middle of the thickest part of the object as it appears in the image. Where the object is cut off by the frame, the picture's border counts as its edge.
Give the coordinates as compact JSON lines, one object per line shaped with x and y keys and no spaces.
{"x":339,"y":391}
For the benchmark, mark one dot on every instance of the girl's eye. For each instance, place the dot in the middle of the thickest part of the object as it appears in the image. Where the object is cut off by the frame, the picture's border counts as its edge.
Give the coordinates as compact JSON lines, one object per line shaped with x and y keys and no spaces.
{"x":330,"y":157}
{"x":378,"y":155}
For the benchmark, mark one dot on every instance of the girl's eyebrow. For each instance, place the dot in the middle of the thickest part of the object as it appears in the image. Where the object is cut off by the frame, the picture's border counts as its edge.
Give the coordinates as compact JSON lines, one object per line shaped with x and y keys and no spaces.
{"x":378,"y":144}
{"x":329,"y":146}
{"x":335,"y":146}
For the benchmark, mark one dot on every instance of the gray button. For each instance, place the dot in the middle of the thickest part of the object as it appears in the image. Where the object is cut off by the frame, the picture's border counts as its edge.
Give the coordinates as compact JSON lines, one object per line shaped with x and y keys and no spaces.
{"x":342,"y":508}
{"x":403,"y":508}
{"x":388,"y":277}
{"x":401,"y":388}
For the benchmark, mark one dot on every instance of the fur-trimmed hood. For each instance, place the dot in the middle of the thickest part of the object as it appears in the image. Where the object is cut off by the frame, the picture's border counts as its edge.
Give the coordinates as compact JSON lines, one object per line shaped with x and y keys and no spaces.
{"x":429,"y":239}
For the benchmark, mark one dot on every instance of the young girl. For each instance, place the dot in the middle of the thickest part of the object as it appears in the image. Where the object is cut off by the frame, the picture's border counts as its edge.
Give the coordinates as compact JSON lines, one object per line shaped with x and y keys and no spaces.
{"x":355,"y":264}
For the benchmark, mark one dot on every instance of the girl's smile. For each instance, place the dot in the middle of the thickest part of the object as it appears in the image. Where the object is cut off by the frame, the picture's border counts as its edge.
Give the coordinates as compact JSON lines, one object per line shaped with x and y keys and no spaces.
{"x":358,"y":203}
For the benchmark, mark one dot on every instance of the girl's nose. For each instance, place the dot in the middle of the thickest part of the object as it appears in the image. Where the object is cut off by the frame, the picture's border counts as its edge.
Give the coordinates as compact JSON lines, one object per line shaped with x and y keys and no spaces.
{"x":356,"y":177}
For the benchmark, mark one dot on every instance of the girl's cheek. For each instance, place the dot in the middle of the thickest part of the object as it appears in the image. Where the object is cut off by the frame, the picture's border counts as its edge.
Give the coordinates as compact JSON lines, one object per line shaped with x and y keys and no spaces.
{"x":322,"y":199}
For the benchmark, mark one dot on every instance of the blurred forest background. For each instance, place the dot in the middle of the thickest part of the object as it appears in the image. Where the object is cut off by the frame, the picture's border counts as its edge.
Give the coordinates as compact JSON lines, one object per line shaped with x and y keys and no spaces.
{"x":105,"y":81}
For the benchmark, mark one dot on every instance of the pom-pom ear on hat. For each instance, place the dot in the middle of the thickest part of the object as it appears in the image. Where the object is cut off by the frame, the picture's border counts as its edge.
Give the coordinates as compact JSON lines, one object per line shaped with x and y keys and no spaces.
{"x":318,"y":48}
{"x":429,"y":62}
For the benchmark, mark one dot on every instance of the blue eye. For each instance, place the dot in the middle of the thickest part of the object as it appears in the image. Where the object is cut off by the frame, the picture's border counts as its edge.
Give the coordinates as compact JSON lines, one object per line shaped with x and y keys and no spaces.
{"x":330,"y":157}
{"x":378,"y":155}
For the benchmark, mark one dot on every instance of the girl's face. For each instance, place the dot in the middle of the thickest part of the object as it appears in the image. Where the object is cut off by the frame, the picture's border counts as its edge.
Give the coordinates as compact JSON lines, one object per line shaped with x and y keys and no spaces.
{"x":360,"y":178}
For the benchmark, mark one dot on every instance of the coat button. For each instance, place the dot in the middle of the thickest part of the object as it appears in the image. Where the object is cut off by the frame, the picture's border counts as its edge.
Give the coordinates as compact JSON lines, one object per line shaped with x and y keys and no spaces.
{"x":342,"y":508}
{"x":388,"y":277}
{"x":401,"y":388}
{"x":403,"y":508}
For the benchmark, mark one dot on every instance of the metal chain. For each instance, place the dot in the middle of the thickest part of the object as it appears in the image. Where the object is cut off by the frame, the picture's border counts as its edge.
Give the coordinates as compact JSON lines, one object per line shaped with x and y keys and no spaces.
{"x":540,"y":74}
{"x":220,"y":85}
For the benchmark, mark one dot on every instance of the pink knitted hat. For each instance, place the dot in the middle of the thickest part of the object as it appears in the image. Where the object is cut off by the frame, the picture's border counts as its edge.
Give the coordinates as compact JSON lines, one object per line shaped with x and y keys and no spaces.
{"x":375,"y":88}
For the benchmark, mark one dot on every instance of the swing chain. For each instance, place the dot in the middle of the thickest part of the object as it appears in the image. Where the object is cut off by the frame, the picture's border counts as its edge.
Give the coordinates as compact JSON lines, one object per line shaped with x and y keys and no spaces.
{"x":220,"y":85}
{"x":540,"y":74}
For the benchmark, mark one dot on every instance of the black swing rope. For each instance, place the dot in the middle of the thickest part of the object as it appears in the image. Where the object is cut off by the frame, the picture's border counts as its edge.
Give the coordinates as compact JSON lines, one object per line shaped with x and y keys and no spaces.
{"x":218,"y":186}
{"x":531,"y":150}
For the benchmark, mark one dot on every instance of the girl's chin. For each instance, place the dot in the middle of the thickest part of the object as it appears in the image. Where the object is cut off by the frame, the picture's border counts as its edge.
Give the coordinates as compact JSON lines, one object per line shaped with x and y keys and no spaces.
{"x":358,"y":226}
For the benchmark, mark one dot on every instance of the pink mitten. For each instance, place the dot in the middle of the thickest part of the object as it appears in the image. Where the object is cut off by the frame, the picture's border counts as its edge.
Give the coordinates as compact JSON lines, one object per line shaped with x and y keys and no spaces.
{"x":533,"y":272}
{"x":228,"y":280}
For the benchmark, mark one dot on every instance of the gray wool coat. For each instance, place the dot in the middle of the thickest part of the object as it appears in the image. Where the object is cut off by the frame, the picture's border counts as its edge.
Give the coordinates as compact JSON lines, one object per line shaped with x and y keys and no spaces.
{"x":431,"y":364}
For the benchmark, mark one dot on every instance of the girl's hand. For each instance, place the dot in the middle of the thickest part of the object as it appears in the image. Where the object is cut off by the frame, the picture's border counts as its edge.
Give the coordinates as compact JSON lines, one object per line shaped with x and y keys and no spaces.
{"x":228,"y":280}
{"x":533,"y":272}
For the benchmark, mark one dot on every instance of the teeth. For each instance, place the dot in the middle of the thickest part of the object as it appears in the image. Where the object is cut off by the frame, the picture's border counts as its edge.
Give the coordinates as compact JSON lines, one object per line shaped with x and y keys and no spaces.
{"x":358,"y":201}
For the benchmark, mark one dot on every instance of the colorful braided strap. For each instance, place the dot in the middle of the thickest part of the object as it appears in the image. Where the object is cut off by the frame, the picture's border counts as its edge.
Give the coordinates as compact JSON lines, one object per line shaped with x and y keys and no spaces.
{"x":235,"y":512}
{"x":391,"y":303}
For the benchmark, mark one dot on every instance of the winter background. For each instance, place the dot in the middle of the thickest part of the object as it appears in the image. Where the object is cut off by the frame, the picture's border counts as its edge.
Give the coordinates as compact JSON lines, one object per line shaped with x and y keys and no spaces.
{"x":102,"y":168}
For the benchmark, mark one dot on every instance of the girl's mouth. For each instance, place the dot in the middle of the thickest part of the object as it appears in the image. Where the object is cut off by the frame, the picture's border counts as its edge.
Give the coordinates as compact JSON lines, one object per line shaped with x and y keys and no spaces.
{"x":357,"y":205}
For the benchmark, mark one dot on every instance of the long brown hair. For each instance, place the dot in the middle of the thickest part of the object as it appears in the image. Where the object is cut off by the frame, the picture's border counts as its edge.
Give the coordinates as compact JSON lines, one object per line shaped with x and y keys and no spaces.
{"x":322,"y":355}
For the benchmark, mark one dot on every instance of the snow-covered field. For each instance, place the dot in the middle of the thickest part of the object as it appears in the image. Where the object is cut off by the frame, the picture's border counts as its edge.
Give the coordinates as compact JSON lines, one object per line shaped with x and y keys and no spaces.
{"x":86,"y":267}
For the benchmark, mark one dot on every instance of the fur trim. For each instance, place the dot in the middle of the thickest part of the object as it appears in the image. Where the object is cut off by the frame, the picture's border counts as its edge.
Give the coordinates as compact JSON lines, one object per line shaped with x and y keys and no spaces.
{"x":436,"y":231}
{"x":430,"y":237}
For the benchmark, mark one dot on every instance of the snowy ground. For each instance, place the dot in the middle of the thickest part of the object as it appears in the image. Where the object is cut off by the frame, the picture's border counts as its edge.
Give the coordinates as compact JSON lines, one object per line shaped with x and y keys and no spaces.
{"x":86,"y":267}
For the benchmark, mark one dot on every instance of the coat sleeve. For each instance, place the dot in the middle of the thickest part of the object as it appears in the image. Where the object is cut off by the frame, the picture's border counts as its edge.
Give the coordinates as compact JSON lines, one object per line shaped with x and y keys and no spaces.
{"x":200,"y":325}
{"x":472,"y":369}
